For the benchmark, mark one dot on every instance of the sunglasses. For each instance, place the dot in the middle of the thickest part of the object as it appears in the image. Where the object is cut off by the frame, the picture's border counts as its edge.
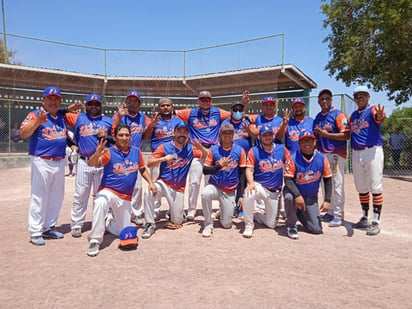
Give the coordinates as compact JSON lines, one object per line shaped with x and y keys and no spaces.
{"x":94,"y":104}
{"x":238,"y":109}
{"x":360,"y":96}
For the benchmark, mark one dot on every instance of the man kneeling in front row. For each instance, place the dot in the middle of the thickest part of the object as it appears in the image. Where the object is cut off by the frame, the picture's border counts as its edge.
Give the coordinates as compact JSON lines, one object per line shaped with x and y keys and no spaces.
{"x":303,"y":174}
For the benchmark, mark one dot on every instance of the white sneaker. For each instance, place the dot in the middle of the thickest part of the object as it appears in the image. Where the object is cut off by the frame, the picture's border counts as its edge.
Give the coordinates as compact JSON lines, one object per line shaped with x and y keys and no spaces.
{"x":207,"y":231}
{"x":93,"y":249}
{"x":248,"y":232}
{"x":191,"y":214}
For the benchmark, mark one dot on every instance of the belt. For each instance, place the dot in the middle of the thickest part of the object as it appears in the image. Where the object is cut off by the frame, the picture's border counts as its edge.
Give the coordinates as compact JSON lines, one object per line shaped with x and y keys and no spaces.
{"x":84,"y":158}
{"x":50,"y":158}
{"x":363,"y":148}
{"x":273,"y":190}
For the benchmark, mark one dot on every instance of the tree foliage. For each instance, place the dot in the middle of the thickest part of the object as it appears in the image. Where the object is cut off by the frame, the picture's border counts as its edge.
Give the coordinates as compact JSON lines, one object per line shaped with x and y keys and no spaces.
{"x":369,"y":42}
{"x":10,"y":55}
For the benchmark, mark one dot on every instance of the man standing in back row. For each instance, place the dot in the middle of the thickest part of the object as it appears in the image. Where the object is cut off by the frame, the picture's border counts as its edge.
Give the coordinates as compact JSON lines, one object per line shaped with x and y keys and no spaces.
{"x":367,"y":157}
{"x":332,"y":131}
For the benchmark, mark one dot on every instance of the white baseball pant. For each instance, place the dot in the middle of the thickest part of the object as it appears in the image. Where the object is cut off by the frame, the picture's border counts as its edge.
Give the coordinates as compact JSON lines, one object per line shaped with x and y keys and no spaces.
{"x":120,"y":209}
{"x":47,"y":193}
{"x":154,"y":174}
{"x":195,"y":177}
{"x":137,"y":195}
{"x":271,"y":201}
{"x":226,"y":205}
{"x":337,"y":166}
{"x":367,"y":165}
{"x":174,"y":198}
{"x":86,"y":178}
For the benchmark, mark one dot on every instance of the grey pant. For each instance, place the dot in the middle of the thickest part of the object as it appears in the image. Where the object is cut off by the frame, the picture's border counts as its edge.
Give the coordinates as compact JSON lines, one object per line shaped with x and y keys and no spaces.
{"x":310,"y":217}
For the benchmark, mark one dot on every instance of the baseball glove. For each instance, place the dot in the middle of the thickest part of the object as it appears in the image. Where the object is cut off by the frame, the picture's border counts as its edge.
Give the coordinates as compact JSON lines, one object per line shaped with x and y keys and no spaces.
{"x":173,"y":226}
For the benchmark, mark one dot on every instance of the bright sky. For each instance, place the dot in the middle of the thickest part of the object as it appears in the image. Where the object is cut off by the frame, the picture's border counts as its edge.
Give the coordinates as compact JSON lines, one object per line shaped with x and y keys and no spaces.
{"x":178,"y":25}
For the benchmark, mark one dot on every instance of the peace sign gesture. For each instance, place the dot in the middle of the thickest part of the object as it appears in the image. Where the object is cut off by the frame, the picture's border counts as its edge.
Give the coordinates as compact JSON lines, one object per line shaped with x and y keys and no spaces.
{"x":380,"y":114}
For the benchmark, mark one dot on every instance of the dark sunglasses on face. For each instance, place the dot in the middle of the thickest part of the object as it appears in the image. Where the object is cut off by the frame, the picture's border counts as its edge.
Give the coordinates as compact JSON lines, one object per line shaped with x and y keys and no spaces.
{"x":238,"y":109}
{"x":94,"y":104}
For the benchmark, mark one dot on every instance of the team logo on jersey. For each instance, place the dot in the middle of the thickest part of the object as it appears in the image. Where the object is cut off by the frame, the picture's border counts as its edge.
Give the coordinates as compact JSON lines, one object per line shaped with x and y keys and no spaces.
{"x":294,"y":135}
{"x":358,"y":125}
{"x":163,"y":133}
{"x":198,"y":124}
{"x":178,"y":162}
{"x":230,"y":165}
{"x":125,"y":167}
{"x":270,"y":166}
{"x":307,"y":177}
{"x":53,"y":133}
{"x":88,"y":130}
{"x":136,"y":128}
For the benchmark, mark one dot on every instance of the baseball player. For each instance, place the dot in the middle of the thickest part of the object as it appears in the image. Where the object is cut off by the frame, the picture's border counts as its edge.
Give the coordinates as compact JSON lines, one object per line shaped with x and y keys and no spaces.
{"x":174,"y":158}
{"x":122,"y":162}
{"x":298,"y":122}
{"x":204,"y":123}
{"x":88,"y":128}
{"x":242,"y":137}
{"x":128,"y":113}
{"x":269,"y":117}
{"x":226,"y":162}
{"x":332,"y":131}
{"x":367,"y":157}
{"x":161,"y":130}
{"x":303,"y":174}
{"x":264,"y":175}
{"x":47,"y":149}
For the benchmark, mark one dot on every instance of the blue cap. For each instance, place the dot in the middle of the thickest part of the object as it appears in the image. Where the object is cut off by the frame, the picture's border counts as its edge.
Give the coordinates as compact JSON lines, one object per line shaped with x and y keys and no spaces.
{"x":128,"y":237}
{"x":52,"y":90}
{"x":134,"y":93}
{"x":265,"y":129}
{"x":361,"y":89}
{"x":306,"y":133}
{"x":93,"y":97}
{"x":298,"y":100}
{"x":268,"y":99}
{"x":182,"y":125}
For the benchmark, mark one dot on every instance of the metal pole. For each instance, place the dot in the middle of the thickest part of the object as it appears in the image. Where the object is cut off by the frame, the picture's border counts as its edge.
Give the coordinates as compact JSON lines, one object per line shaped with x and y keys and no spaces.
{"x":283,"y":52}
{"x":6,"y":58}
{"x":105,"y":63}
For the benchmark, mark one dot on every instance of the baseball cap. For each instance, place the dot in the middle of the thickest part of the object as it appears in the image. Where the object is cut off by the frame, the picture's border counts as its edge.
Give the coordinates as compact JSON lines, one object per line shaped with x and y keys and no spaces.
{"x":268,"y":99}
{"x":134,"y":93}
{"x":265,"y":129}
{"x":52,"y":90}
{"x":298,"y":100}
{"x":93,"y":97}
{"x":128,"y":238}
{"x":227,"y":127}
{"x":234,"y":103}
{"x":181,"y":125}
{"x":205,"y":94}
{"x":305,"y":134}
{"x":325,"y":91}
{"x":361,"y":89}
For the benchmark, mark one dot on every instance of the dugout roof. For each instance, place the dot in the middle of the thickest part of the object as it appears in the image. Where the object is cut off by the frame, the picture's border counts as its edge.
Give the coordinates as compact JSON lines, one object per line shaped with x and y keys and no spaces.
{"x":258,"y":80}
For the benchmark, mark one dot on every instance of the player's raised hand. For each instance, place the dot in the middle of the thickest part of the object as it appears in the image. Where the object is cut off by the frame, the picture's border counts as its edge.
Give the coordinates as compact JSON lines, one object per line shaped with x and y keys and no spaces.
{"x":300,"y":203}
{"x":380,"y":114}
{"x":122,"y":110}
{"x":324,"y":207}
{"x":75,"y":108}
{"x":245,"y":97}
{"x":286,"y":115}
{"x":42,"y":117}
{"x":224,"y":161}
{"x":155,"y":117}
{"x":101,"y":133}
{"x":101,"y":147}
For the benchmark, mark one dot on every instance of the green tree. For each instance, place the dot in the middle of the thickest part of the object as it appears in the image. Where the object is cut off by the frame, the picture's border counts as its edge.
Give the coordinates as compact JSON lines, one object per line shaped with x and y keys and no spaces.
{"x":369,"y":42}
{"x":10,"y":54}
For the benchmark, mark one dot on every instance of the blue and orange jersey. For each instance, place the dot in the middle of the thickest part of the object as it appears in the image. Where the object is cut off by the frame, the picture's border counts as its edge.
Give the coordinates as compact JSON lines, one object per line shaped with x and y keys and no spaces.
{"x":226,"y":179}
{"x":334,"y":121}
{"x":204,"y":128}
{"x":365,"y":130}
{"x":174,"y":173}
{"x":293,"y":130}
{"x":85,"y":130}
{"x":49,"y":139}
{"x":137,"y":124}
{"x":163,"y":131}
{"x":268,"y":166}
{"x":307,"y":174}
{"x":121,"y":171}
{"x":275,"y":122}
{"x":241,"y":137}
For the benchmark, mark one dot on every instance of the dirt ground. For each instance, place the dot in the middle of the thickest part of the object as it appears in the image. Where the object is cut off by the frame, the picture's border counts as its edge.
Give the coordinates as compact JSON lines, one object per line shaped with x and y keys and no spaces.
{"x":343,"y":268}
